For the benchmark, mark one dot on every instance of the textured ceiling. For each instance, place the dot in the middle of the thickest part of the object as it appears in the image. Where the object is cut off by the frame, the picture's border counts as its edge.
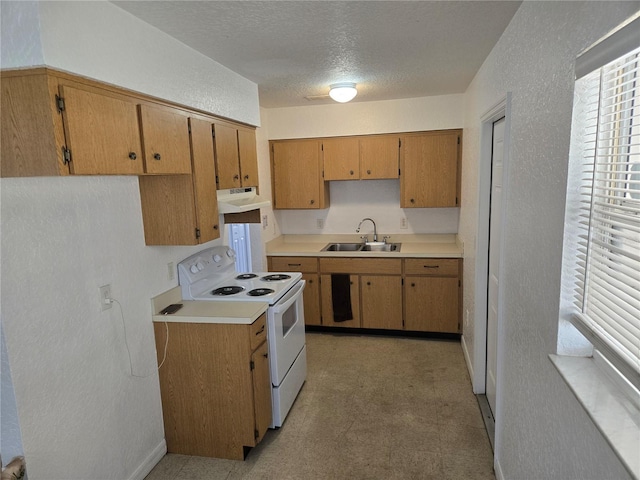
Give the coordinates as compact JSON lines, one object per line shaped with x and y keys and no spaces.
{"x":295,"y":49}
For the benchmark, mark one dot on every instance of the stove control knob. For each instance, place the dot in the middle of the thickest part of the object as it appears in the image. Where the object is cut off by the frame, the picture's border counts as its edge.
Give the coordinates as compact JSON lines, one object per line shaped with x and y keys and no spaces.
{"x":194,"y":268}
{"x":199,"y":266}
{"x":217,"y":258}
{"x":231,"y":253}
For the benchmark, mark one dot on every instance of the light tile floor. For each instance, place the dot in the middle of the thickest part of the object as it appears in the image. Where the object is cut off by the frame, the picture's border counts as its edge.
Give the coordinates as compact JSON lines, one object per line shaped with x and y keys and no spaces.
{"x":371,"y":408}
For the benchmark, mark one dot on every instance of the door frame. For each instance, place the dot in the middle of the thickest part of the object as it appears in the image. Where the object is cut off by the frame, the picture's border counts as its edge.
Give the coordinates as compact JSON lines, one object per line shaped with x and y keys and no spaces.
{"x":501,"y":109}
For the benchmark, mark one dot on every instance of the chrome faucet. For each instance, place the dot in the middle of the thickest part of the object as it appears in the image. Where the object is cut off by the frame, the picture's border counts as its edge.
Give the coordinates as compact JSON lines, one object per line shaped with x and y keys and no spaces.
{"x":375,"y":231}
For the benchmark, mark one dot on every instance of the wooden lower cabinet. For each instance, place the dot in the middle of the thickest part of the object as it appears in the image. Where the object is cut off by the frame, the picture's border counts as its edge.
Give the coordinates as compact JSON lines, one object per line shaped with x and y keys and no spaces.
{"x":331,"y":318}
{"x":381,"y":301}
{"x":433,"y":294}
{"x":215,"y":387}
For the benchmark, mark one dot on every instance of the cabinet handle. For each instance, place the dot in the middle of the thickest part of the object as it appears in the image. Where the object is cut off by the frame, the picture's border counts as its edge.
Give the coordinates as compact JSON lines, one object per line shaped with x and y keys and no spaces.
{"x":431,"y":266}
{"x":294,"y":264}
{"x":215,"y":227}
{"x":236,"y":177}
{"x":312,"y":202}
{"x":350,"y":172}
{"x":265,"y":355}
{"x":368,"y":172}
{"x":157,"y":156}
{"x":412,"y":200}
{"x":132,"y":155}
{"x":260,"y":331}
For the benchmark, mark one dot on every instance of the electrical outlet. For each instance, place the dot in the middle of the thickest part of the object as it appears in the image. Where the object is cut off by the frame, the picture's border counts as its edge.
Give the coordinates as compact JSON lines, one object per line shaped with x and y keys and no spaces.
{"x":320,"y":223}
{"x":105,"y":297}
{"x":265,"y":221}
{"x":403,"y":223}
{"x":170,"y":271}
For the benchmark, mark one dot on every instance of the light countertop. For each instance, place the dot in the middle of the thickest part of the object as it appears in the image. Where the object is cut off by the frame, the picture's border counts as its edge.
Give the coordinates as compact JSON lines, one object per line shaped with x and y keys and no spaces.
{"x":413,"y":246}
{"x":193,"y":311}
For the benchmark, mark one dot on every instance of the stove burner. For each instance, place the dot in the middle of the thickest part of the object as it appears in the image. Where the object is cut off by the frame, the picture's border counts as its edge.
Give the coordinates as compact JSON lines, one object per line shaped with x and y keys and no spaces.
{"x":232,"y":290}
{"x":259,"y":292}
{"x":246,"y":276}
{"x":275,"y":277}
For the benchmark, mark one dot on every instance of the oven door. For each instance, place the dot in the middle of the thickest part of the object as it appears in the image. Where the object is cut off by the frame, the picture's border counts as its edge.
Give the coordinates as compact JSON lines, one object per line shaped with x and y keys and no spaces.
{"x":286,"y":332}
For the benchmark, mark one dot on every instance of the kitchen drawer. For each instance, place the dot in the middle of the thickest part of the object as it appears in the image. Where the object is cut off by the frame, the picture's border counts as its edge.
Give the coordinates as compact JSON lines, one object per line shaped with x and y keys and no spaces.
{"x":293,"y":264}
{"x":258,"y":332}
{"x":441,"y":267}
{"x":361,"y":265}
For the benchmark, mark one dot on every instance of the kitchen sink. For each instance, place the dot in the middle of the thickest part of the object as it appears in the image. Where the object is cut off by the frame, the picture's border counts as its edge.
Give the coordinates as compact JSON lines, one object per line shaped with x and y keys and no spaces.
{"x":343,"y":247}
{"x":360,"y":247}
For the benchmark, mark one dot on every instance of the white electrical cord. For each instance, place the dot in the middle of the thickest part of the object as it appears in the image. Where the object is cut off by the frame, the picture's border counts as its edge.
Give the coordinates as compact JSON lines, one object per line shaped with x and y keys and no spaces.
{"x":126,"y":342}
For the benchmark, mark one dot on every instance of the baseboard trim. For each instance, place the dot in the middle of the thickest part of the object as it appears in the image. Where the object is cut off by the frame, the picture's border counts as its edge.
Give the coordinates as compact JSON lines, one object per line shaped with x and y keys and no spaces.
{"x":467,"y":359}
{"x":497,"y":469}
{"x":151,"y":461}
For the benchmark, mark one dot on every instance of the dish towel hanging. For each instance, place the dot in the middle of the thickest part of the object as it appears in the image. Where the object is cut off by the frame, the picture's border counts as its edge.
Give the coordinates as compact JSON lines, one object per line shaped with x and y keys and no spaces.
{"x":341,"y":297}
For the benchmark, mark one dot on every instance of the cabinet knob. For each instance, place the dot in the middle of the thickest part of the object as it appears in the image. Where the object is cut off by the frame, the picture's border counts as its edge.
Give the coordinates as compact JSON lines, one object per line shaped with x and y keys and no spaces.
{"x":236,"y":177}
{"x":310,"y":281}
{"x":312,"y":202}
{"x":157,"y":156}
{"x":215,"y":227}
{"x":246,"y":177}
{"x":350,"y":172}
{"x":412,"y":200}
{"x":368,"y":172}
{"x":368,"y":283}
{"x":132,"y":155}
{"x":413,"y":284}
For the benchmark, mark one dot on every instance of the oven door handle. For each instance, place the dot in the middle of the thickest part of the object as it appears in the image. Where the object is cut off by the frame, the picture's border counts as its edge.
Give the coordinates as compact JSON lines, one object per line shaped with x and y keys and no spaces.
{"x":291,"y":296}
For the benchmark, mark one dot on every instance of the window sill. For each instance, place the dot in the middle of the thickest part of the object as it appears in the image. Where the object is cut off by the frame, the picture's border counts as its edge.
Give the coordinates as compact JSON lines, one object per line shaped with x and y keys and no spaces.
{"x":613,"y":413}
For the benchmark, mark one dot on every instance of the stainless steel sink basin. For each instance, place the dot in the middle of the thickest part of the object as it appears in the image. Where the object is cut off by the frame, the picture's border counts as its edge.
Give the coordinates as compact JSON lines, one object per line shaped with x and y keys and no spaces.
{"x":381,"y":247}
{"x":343,"y":247}
{"x":360,"y":247}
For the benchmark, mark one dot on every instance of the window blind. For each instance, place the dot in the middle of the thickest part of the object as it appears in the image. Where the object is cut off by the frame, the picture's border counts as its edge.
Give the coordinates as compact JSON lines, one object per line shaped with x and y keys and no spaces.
{"x":607,"y":287}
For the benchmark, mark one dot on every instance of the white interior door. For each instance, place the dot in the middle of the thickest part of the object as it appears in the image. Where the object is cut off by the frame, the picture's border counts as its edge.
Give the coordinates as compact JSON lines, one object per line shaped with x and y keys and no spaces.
{"x":495,"y":229}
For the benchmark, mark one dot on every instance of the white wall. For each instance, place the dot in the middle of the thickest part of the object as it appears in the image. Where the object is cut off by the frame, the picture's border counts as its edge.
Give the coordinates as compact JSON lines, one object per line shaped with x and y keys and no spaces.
{"x":82,"y":415}
{"x":541,"y":430}
{"x":380,"y":199}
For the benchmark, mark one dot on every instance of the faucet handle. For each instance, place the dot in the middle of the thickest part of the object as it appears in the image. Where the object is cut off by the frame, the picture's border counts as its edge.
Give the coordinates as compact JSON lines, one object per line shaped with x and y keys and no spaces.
{"x":364,"y":238}
{"x":385,"y":238}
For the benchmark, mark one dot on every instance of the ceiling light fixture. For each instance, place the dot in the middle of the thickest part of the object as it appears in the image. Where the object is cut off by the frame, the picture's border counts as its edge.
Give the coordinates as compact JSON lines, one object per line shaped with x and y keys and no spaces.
{"x":343,"y":92}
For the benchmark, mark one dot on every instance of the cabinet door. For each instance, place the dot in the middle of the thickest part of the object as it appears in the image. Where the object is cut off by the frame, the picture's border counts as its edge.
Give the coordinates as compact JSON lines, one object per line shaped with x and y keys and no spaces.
{"x":165,"y":136}
{"x":297,"y":175}
{"x":430,"y":170}
{"x":261,"y":390}
{"x":381,"y":301}
{"x":341,"y":158}
{"x":327,"y":303}
{"x":102,"y":133}
{"x":431,"y":304}
{"x":248,"y":157}
{"x":311,"y":299}
{"x":379,"y":157}
{"x":227,"y":164}
{"x":204,"y":180}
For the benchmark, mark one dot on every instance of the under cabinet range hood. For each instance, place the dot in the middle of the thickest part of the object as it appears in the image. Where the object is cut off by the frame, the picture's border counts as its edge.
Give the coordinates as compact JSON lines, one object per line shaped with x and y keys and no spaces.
{"x":238,"y":200}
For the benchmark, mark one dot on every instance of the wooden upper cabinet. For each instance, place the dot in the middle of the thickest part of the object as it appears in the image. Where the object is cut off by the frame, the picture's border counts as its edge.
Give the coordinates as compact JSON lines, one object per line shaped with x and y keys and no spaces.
{"x":430,"y":165}
{"x":183,"y":209}
{"x":366,"y":157}
{"x":248,"y":154}
{"x":341,"y":158}
{"x":204,"y":180}
{"x":379,"y":156}
{"x":296,"y":174}
{"x":165,"y":136}
{"x":236,"y":156}
{"x":102,"y":133}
